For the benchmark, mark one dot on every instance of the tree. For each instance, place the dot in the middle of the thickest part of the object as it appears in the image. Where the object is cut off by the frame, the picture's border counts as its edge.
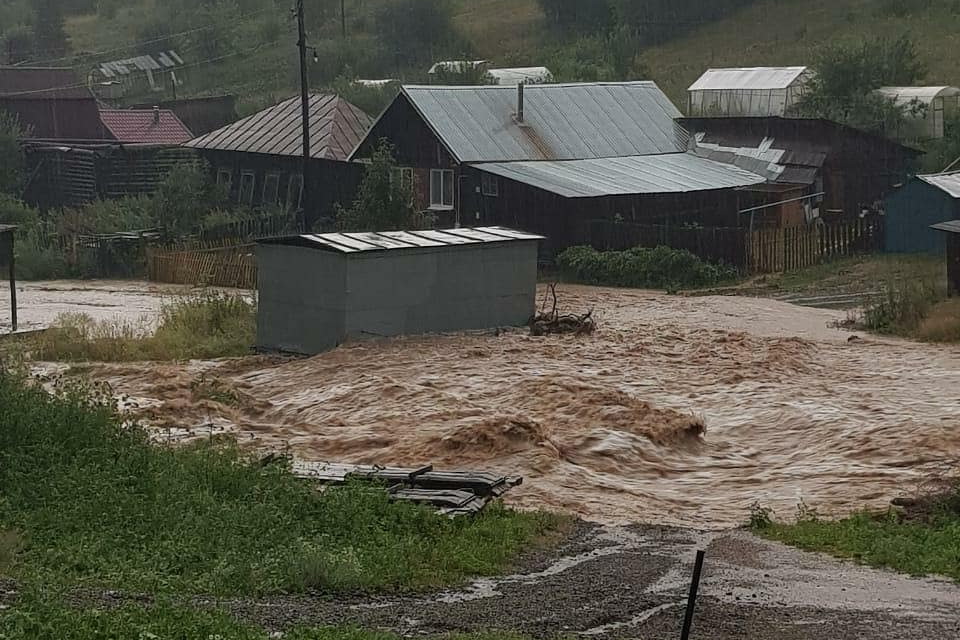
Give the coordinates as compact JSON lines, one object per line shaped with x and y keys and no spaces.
{"x":50,"y":37}
{"x":576,"y":15}
{"x":12,"y":159}
{"x":185,"y":197}
{"x":385,"y":200}
{"x":848,"y":75}
{"x":418,"y":28}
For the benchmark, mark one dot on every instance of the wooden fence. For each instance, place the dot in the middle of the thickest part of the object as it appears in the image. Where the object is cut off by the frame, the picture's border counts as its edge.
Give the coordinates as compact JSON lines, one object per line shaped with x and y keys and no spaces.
{"x":790,"y":248}
{"x":230,"y":267}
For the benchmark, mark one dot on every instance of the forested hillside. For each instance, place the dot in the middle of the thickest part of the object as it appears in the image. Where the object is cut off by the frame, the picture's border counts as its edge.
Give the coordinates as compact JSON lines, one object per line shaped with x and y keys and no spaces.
{"x":247,"y":46}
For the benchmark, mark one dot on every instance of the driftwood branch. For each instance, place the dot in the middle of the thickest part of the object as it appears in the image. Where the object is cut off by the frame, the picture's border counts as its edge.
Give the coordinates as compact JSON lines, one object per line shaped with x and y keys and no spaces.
{"x":553,"y":322}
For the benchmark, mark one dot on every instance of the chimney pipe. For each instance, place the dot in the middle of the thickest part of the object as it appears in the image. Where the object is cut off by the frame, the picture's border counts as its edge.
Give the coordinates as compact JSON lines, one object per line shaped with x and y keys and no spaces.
{"x":156,"y":115}
{"x":520,"y":102}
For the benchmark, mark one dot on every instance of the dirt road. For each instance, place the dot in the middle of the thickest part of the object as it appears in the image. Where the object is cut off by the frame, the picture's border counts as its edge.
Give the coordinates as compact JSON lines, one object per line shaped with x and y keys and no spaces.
{"x":680,"y":411}
{"x":632,"y":582}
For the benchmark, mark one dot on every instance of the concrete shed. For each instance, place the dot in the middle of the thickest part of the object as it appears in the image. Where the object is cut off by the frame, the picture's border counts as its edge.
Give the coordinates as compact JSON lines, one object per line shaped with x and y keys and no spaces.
{"x":915,"y":207}
{"x":319,"y":291}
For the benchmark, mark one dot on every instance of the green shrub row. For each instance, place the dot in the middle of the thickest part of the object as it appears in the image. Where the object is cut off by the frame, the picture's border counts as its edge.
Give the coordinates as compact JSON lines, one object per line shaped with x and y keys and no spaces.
{"x":660,"y":268}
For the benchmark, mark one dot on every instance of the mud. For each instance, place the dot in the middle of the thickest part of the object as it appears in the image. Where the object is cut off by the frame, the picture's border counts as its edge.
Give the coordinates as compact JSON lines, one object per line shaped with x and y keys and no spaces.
{"x":632,"y":582}
{"x":679,"y":411}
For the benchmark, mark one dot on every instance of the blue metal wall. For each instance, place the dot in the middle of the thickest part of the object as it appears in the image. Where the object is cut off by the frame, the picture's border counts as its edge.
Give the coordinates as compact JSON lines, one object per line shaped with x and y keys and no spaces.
{"x":910,"y":212}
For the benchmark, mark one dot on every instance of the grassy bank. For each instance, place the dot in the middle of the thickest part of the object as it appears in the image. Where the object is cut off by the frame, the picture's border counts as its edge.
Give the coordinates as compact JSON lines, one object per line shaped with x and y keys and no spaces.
{"x":209,"y":325}
{"x":87,"y":501}
{"x":923,"y":539}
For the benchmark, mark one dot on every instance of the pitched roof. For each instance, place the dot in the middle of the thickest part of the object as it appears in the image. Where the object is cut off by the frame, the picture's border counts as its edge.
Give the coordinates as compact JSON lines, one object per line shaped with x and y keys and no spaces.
{"x":516,"y":75}
{"x":42,"y":83}
{"x":145,"y":126}
{"x":748,"y":78}
{"x":394,"y":240}
{"x":633,"y":175}
{"x":561,"y":121}
{"x":336,"y":127}
{"x":949,"y":183}
{"x":952,"y":226}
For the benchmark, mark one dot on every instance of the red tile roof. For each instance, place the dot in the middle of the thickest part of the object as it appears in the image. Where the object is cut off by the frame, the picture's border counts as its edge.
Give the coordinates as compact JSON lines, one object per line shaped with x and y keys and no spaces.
{"x":145,"y":126}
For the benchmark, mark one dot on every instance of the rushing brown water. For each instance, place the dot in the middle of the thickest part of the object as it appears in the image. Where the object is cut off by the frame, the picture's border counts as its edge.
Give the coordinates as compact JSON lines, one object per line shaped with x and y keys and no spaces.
{"x":679,"y":410}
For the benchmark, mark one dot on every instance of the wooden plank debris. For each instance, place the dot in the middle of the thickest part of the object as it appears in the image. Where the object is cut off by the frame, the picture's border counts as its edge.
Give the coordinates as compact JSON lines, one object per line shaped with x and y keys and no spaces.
{"x":452,"y":493}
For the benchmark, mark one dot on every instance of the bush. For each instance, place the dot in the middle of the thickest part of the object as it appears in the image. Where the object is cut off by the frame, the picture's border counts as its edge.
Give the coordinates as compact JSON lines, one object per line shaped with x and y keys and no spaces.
{"x":901,"y":307}
{"x":15,"y":212}
{"x":37,"y":259}
{"x":660,"y":268}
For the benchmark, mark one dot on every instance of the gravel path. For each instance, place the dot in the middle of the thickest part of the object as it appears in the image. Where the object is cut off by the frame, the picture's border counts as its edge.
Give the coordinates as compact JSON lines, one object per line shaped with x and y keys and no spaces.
{"x":631,"y":582}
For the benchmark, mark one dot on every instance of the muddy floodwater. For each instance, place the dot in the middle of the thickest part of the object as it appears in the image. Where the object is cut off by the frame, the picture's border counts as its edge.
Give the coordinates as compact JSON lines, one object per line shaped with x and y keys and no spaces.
{"x":681,"y":411}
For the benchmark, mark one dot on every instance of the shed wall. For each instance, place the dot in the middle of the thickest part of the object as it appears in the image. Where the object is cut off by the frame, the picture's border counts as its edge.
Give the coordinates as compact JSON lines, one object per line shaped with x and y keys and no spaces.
{"x":910,"y":212}
{"x":302,"y":299}
{"x":439,"y":290}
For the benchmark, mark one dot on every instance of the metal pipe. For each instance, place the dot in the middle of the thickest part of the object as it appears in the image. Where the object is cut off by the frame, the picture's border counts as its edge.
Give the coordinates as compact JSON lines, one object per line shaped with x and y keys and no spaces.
{"x":520,"y":102}
{"x":775,"y":204}
{"x":692,"y":597}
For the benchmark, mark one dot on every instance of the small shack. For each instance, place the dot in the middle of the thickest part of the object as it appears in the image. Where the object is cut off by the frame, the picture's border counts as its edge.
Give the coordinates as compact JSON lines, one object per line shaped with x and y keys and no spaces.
{"x":914,"y":208}
{"x":748,"y":91}
{"x":318,"y":291}
{"x":952,"y":230}
{"x":7,"y":259}
{"x":926,"y":109}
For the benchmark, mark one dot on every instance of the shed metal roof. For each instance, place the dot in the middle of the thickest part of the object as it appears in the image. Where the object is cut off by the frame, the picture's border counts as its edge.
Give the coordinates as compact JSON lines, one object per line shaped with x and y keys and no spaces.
{"x":634,"y":175}
{"x":561,"y":121}
{"x":923,"y":95}
{"x":163,"y":60}
{"x":145,"y":126}
{"x":527,"y":75}
{"x":949,"y":183}
{"x":336,"y":127}
{"x":953,"y":226}
{"x":762,"y":78}
{"x":393,"y":240}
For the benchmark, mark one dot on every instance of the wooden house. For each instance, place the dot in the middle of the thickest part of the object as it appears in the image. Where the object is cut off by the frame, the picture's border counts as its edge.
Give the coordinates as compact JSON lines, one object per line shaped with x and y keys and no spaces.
{"x":567,"y":161}
{"x":51,"y":103}
{"x":260,"y":158}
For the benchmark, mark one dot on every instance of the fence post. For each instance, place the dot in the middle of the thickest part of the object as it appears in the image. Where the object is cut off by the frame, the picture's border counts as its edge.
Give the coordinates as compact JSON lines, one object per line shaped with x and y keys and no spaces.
{"x":692,"y":596}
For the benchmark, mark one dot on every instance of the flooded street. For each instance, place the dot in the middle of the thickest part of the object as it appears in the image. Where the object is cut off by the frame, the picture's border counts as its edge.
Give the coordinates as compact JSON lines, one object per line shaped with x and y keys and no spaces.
{"x":680,"y":411}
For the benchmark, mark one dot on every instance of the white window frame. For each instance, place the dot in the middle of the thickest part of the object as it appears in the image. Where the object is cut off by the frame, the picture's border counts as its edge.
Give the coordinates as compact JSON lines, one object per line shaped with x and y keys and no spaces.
{"x":275,"y":177}
{"x":489,"y":185}
{"x":442,"y":204}
{"x":221,"y":172}
{"x":293,"y":201}
{"x":253,"y":188}
{"x":404,"y":175}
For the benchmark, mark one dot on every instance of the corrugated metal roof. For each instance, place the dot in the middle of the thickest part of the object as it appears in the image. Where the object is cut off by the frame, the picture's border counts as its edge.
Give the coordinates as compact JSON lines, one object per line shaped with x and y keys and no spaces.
{"x":391,"y":240}
{"x":949,"y":183}
{"x":527,"y":75}
{"x":953,"y":226}
{"x":144,"y":126}
{"x":634,"y":175}
{"x":336,"y":127}
{"x":457,"y":66}
{"x":163,"y":60}
{"x":561,"y":121}
{"x":47,"y":83}
{"x":748,"y":78}
{"x":923,"y":95}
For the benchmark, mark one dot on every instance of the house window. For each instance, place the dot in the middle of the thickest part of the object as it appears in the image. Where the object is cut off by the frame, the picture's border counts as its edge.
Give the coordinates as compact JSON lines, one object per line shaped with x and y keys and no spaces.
{"x":224,"y":177}
{"x":403,"y":176}
{"x":247,"y":182}
{"x":489,"y":185}
{"x":441,"y":189}
{"x":271,"y":189}
{"x":294,"y":191}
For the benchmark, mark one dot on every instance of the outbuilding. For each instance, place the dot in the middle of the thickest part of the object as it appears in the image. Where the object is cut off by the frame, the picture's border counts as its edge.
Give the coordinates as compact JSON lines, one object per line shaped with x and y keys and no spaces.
{"x":914,"y":208}
{"x":926,"y":109}
{"x":748,"y":91}
{"x":952,"y":231}
{"x":319,"y":291}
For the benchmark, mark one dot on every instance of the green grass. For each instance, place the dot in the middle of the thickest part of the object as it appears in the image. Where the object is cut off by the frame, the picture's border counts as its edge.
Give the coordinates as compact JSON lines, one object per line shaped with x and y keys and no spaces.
{"x":91,"y":502}
{"x":927,"y":546}
{"x":861,"y":274}
{"x":208,"y":325}
{"x":39,"y":616}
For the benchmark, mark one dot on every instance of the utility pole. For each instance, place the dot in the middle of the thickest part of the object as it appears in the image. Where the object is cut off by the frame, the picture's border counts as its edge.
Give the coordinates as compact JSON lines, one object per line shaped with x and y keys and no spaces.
{"x":343,"y":20}
{"x":306,"y":202}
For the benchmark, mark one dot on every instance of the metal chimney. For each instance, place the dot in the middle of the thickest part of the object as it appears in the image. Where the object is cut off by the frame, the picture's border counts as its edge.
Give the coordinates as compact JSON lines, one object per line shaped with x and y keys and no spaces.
{"x":520,"y":102}
{"x":156,"y":115}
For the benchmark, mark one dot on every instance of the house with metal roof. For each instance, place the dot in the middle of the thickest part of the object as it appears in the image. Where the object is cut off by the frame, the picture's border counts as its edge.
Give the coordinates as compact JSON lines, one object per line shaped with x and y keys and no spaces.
{"x":555,"y":159}
{"x":748,"y":91}
{"x":259,"y":158}
{"x":51,"y":103}
{"x":926,"y":109}
{"x":814,"y":168}
{"x":370,"y":285}
{"x":914,"y":210}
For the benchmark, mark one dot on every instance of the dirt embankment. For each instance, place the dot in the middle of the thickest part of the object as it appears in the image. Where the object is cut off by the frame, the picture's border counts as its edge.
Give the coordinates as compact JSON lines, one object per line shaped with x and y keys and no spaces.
{"x":679,"y":410}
